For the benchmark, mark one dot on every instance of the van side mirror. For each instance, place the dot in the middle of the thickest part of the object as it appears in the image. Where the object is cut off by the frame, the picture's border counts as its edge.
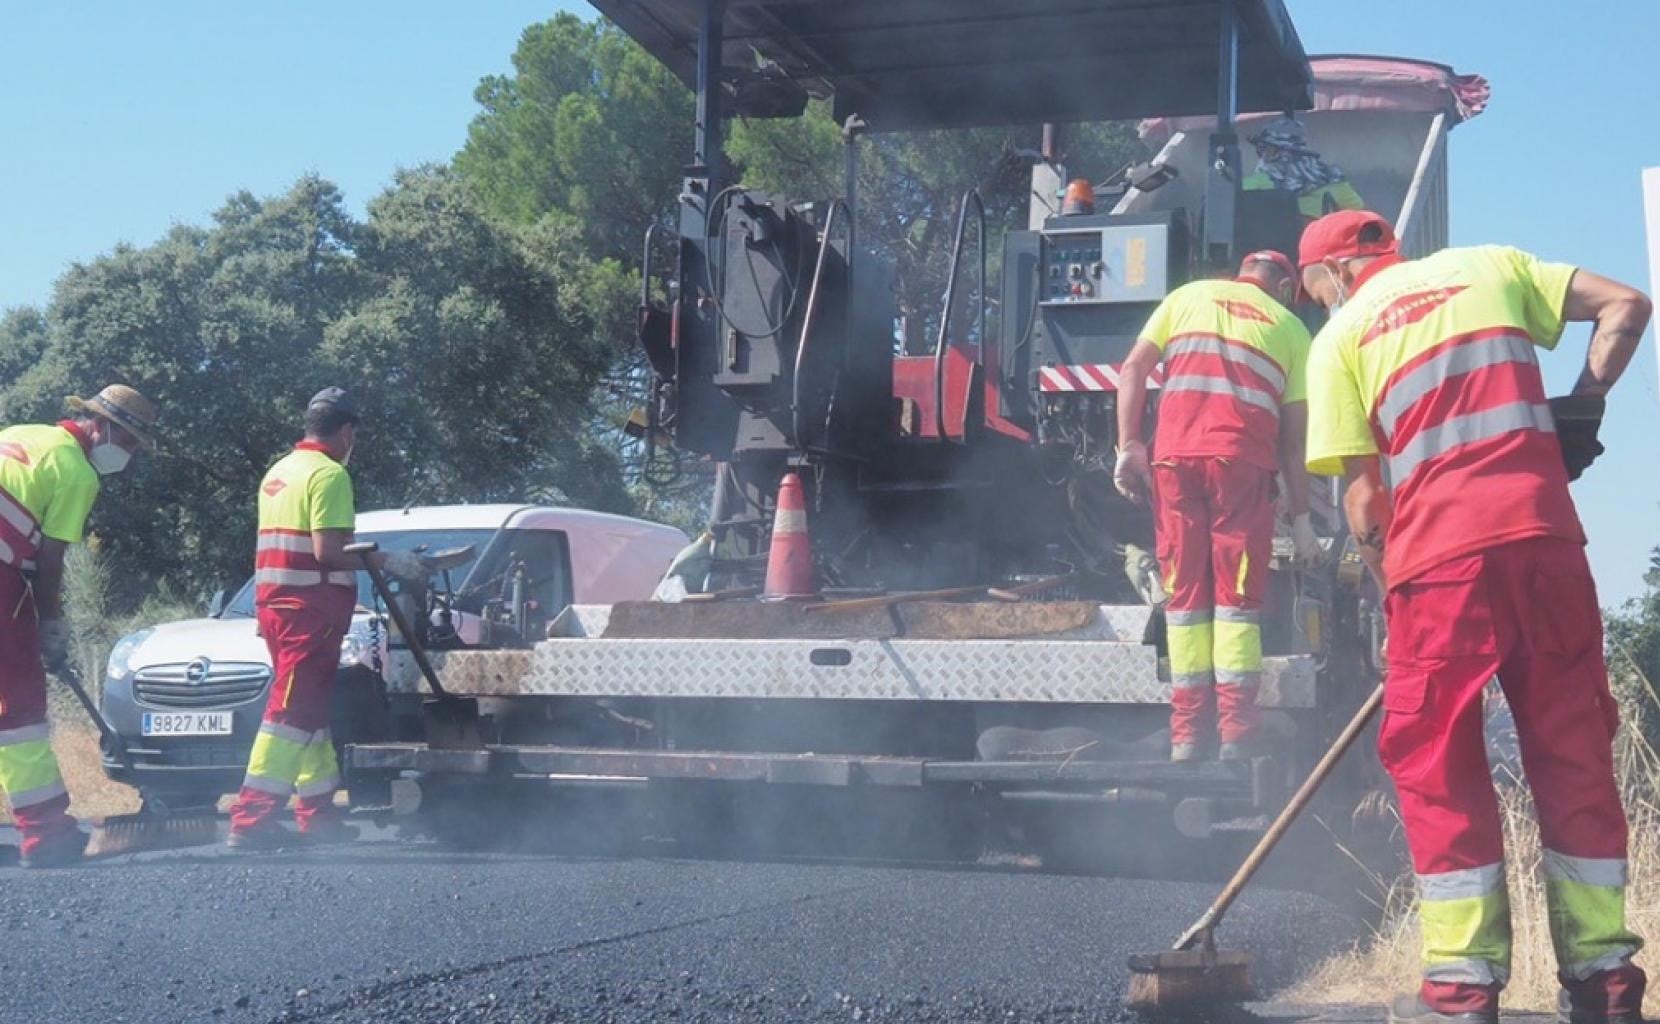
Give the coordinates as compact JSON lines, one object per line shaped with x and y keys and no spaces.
{"x":216,"y":604}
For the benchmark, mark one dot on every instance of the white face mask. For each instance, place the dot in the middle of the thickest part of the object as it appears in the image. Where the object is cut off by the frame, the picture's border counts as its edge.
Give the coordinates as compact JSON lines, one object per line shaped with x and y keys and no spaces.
{"x":108,"y":458}
{"x":1342,"y":295}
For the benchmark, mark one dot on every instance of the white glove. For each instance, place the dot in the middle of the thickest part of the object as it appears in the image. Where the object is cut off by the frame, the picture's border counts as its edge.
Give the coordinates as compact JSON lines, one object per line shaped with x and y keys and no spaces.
{"x":1131,"y":473}
{"x":1306,"y":546}
{"x":405,"y":565}
{"x":54,"y":644}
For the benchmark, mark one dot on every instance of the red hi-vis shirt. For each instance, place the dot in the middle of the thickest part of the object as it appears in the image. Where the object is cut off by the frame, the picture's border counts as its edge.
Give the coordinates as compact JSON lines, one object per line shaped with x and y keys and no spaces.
{"x":1432,"y":365}
{"x":1232,"y":357}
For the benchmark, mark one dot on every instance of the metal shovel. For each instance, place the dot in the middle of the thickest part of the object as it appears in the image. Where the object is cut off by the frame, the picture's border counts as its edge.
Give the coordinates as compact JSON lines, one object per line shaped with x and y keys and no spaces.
{"x":451,"y":720}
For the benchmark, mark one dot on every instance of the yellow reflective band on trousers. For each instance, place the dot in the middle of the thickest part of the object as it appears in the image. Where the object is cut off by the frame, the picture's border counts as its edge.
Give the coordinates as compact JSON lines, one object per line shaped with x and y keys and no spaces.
{"x":28,"y":768}
{"x":286,"y":761}
{"x":1238,"y":646}
{"x":1585,"y":897}
{"x":1465,"y":916}
{"x":1190,"y":636}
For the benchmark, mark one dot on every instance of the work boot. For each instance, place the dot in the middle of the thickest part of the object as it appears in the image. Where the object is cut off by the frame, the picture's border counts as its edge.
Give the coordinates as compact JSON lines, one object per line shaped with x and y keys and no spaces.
{"x":328,"y":832}
{"x":60,"y":850}
{"x":1182,"y":753}
{"x":1609,"y":997}
{"x":1411,"y":1009}
{"x":266,"y":836}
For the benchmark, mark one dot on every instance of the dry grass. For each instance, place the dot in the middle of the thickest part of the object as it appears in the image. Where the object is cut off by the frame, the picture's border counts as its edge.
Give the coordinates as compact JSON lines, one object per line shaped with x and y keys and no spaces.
{"x":1388,"y":961}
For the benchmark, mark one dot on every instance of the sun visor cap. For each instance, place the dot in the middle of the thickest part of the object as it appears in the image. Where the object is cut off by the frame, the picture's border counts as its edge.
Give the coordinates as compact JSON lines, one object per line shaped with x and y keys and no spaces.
{"x":335,"y":400}
{"x":1347,"y":234}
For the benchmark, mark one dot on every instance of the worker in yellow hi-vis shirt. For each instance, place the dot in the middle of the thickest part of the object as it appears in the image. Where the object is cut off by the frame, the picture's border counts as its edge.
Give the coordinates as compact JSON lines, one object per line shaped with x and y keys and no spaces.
{"x":48,"y":482}
{"x":305,"y":588}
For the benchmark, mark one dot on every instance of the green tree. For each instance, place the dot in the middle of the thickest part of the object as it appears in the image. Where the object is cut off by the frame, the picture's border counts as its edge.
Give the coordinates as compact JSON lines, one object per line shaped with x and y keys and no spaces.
{"x":476,"y":372}
{"x":1634,"y":637}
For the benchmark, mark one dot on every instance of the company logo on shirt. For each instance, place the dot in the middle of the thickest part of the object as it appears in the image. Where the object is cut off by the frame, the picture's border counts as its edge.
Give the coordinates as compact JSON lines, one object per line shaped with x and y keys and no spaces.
{"x":273,"y":487}
{"x":1244,"y":311}
{"x":1409,"y":309}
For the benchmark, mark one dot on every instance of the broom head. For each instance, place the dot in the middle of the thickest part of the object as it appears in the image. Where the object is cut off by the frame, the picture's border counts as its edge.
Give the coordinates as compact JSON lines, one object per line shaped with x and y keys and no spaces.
{"x":135,"y":833}
{"x":1188,"y":979}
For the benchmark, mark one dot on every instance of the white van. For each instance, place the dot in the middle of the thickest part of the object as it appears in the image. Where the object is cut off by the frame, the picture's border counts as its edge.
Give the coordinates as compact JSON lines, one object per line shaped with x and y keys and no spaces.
{"x":188,"y":696}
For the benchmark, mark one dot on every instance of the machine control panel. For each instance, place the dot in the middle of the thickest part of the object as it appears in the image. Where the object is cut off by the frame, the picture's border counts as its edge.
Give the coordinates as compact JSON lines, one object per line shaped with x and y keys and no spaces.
{"x":1093,"y":265}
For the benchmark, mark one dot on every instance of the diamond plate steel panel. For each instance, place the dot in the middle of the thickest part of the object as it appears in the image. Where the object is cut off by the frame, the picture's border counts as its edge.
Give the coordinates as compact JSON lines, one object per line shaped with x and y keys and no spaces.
{"x":1038,"y":671}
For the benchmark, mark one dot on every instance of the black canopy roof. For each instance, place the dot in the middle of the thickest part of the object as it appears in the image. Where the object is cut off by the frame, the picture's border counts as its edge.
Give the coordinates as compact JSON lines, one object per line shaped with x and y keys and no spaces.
{"x":913,"y":64}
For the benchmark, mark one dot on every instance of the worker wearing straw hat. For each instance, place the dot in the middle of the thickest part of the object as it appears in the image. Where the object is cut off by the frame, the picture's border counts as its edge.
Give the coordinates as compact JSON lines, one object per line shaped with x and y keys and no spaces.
{"x":49,"y":478}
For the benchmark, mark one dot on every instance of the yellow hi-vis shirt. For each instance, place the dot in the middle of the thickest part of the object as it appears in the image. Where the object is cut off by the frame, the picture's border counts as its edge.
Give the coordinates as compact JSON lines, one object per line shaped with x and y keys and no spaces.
{"x":49,"y":487}
{"x":1232,"y":357}
{"x":1431,"y":365}
{"x":306,"y":490}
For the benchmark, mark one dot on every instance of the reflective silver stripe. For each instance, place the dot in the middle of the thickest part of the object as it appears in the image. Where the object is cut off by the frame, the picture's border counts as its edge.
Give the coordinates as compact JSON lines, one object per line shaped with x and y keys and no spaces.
{"x":1193,"y":681}
{"x":1243,"y":616}
{"x":318,"y":787}
{"x":1223,"y":386}
{"x":298,"y":543}
{"x":264,"y":784}
{"x":24,"y":734}
{"x":790,"y":520}
{"x":342,"y":578}
{"x":288,"y":577}
{"x":1467,"y":429}
{"x":1258,"y":362}
{"x":1195,"y":617}
{"x":286,"y":732}
{"x":1452,"y":361}
{"x":1615,"y":958}
{"x":19,"y":517}
{"x":1233,"y":677}
{"x":1604,"y":871}
{"x":1465,"y":884}
{"x":38,"y":795}
{"x":1470,"y":972}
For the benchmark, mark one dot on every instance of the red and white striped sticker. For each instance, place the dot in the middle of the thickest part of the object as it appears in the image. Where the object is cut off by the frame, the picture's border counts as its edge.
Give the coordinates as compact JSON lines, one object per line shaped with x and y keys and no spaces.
{"x":1087,"y":377}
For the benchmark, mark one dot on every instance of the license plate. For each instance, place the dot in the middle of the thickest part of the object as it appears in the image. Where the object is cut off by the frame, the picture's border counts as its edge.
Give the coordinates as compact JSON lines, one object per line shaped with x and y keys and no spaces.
{"x":187,"y":723}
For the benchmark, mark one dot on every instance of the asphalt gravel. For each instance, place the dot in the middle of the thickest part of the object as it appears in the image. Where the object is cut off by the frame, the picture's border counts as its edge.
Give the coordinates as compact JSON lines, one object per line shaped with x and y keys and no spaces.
{"x":389,"y":931}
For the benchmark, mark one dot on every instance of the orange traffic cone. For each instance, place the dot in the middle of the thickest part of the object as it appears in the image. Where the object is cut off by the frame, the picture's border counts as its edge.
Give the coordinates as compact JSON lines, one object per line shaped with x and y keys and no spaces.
{"x":790,"y":558}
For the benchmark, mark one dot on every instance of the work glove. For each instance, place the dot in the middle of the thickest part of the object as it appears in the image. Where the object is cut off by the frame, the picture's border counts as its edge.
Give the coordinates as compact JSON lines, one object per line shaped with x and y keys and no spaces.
{"x":54,"y":644}
{"x":1577,"y":419}
{"x":1131,"y":473}
{"x":1305,"y":545}
{"x":405,"y":565}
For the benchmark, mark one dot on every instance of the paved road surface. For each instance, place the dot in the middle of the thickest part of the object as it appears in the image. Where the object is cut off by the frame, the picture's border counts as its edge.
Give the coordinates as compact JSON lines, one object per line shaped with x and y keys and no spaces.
{"x":411,"y":933}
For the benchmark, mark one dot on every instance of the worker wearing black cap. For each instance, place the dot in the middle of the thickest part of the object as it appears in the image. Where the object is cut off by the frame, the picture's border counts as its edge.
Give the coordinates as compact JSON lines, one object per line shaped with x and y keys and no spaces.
{"x":305,"y":591}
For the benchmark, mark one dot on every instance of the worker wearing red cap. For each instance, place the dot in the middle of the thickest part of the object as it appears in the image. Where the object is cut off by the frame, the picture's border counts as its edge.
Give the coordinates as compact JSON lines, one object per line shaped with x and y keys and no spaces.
{"x":1230,"y":416}
{"x":305,"y":590}
{"x":1425,"y":392}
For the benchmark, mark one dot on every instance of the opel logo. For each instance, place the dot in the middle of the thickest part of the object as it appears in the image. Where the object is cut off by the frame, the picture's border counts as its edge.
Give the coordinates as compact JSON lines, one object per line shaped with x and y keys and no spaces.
{"x":197,"y":671}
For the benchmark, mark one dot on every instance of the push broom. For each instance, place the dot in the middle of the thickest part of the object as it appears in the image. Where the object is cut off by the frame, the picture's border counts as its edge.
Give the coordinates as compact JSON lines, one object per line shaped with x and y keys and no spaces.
{"x":154,"y":827}
{"x":1193,"y":973}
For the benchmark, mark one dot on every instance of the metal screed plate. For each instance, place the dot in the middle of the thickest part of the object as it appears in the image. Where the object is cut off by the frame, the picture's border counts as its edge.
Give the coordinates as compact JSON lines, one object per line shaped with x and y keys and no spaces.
{"x":1092,"y":671}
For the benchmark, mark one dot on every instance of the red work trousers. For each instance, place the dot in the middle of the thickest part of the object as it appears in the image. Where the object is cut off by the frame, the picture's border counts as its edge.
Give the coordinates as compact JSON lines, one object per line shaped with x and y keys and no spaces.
{"x":28,"y":769}
{"x":1215,"y":531}
{"x":1525,"y":611}
{"x":293,"y":754}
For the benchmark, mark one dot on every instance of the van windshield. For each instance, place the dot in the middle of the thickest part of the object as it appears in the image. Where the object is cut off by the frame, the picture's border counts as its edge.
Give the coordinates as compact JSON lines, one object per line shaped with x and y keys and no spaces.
{"x":242,"y":605}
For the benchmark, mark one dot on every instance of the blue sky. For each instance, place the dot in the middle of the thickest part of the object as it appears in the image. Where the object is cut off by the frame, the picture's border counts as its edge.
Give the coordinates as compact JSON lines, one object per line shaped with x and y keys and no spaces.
{"x":121,"y":119}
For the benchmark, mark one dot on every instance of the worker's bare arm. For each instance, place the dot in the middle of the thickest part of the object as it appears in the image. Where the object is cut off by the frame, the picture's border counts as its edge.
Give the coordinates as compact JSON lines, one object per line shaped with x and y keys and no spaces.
{"x":1366,"y":505}
{"x":1132,"y":388}
{"x":1293,"y":448}
{"x":48,"y":581}
{"x":329,"y":548}
{"x":1621,"y":314}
